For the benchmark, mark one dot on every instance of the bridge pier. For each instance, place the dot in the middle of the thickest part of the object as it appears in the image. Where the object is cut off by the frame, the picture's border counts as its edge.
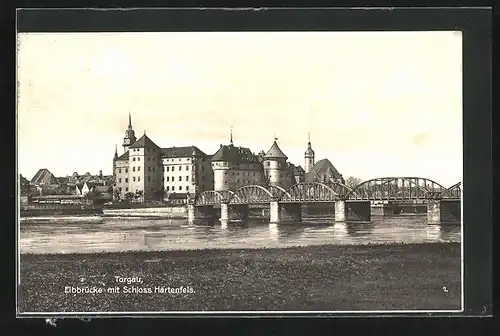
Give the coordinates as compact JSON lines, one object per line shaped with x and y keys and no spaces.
{"x":285,"y":212}
{"x":200,"y":212}
{"x":232,"y":212}
{"x":443,"y":211}
{"x":352,"y":211}
{"x":340,"y":211}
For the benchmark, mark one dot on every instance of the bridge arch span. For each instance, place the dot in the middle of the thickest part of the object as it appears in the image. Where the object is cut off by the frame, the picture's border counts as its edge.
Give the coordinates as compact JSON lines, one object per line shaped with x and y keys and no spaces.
{"x":278,"y":192}
{"x":312,"y":192}
{"x":252,"y":194}
{"x":212,"y":197}
{"x":456,"y":190}
{"x":398,"y":188}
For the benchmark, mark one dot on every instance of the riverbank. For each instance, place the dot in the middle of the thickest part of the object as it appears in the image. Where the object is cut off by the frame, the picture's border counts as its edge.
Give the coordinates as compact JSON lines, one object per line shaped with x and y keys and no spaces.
{"x":325,"y":278}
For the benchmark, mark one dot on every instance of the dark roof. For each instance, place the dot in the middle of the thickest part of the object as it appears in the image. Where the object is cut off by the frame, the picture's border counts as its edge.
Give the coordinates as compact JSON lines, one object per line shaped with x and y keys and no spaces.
{"x":63,"y":180}
{"x":44,"y":176}
{"x":123,"y":157}
{"x":275,"y":152}
{"x":23,"y":179}
{"x":144,"y":142}
{"x":175,"y":152}
{"x":322,"y":171}
{"x":234,"y":155}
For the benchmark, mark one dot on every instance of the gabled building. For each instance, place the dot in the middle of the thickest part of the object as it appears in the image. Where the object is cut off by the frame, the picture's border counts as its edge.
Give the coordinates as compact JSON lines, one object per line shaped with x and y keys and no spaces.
{"x":235,"y":167}
{"x":186,"y":170}
{"x":44,"y":177}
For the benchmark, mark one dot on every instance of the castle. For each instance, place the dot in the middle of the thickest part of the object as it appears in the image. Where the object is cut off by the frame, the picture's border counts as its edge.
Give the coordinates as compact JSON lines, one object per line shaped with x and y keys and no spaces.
{"x":155,"y":172}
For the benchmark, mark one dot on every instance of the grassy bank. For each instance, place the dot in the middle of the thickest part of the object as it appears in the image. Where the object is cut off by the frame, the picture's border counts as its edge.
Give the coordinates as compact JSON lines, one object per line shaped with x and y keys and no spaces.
{"x":373,"y":277}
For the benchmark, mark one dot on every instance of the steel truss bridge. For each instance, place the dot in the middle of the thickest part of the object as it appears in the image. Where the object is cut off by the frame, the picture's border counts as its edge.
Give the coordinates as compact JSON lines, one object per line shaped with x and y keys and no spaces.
{"x":401,"y":189}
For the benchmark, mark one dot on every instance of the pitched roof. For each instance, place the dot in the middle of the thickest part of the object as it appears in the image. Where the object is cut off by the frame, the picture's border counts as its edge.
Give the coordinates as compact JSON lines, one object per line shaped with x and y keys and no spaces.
{"x":275,"y":152}
{"x":144,"y":142}
{"x":234,"y":154}
{"x":322,"y":171}
{"x":44,"y":176}
{"x":23,"y":179}
{"x":123,"y":157}
{"x":175,"y":152}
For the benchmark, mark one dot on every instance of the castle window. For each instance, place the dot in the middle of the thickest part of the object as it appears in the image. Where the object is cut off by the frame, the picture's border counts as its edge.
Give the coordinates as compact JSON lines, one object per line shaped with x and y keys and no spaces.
{"x":187,"y":188}
{"x":187,"y":167}
{"x":180,"y":187}
{"x":119,"y":180}
{"x":133,"y":159}
{"x":126,"y":170}
{"x":149,"y":178}
{"x":168,"y":168}
{"x":168,"y":188}
{"x":268,"y":164}
{"x":225,"y":173}
{"x":120,"y":189}
{"x":119,"y":170}
{"x":133,"y":168}
{"x":180,"y":178}
{"x":138,"y":159}
{"x":168,"y":178}
{"x":126,"y":180}
{"x":187,"y":178}
{"x":126,"y":189}
{"x":133,"y":178}
{"x":173,"y":188}
{"x":139,"y":168}
{"x":180,"y":167}
{"x":149,"y":169}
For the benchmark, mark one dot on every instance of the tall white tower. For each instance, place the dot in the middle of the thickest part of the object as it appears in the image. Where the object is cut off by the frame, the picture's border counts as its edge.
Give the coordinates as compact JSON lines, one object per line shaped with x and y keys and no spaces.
{"x":308,"y":156}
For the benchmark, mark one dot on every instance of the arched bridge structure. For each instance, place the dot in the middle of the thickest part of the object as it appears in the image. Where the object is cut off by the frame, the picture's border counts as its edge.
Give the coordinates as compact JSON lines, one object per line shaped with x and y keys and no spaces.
{"x":378,"y":189}
{"x":401,"y":189}
{"x":456,"y":190}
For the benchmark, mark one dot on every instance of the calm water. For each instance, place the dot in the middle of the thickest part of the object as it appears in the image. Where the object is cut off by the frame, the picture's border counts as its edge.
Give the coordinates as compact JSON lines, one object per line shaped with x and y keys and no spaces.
{"x":97,"y":234}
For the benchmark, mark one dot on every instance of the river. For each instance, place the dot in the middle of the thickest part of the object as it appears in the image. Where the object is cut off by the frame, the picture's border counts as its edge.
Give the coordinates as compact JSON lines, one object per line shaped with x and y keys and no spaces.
{"x":90,"y":234}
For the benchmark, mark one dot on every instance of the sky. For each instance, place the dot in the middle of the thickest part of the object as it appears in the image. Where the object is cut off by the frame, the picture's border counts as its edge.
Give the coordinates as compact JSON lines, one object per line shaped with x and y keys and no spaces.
{"x":376,"y":104}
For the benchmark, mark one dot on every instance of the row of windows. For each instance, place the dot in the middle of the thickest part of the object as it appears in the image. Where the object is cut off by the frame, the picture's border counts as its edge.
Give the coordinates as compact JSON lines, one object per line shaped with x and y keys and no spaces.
{"x":139,"y":169}
{"x":173,"y":168}
{"x":180,"y":178}
{"x":120,"y":170}
{"x":139,"y":159}
{"x":173,"y":188}
{"x":238,"y":173}
{"x":137,"y":149}
{"x":120,"y":189}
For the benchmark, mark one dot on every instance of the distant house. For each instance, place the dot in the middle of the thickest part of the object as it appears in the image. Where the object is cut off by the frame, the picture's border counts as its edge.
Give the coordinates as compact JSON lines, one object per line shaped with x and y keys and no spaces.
{"x":44,"y":177}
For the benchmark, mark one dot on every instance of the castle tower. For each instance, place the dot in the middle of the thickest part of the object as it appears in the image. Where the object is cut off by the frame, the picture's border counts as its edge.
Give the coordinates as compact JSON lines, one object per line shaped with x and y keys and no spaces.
{"x":308,"y":156}
{"x":275,"y":166}
{"x":129,"y":138}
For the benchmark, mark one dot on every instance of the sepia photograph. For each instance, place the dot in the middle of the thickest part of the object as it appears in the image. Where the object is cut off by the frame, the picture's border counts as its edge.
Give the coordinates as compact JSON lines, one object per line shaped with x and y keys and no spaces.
{"x":240,"y":171}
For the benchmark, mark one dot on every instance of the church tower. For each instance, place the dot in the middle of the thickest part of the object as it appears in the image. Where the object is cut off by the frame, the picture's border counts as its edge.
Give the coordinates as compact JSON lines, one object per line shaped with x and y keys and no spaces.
{"x":308,"y":156}
{"x":129,"y":138}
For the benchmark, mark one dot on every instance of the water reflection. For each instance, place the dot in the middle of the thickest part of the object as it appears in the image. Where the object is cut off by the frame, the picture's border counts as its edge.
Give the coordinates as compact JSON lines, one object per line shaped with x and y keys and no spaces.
{"x":118,"y":234}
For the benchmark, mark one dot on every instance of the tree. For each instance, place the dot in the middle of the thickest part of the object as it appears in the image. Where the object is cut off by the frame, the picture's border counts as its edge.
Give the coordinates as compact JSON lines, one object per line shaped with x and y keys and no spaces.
{"x":352,"y":181}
